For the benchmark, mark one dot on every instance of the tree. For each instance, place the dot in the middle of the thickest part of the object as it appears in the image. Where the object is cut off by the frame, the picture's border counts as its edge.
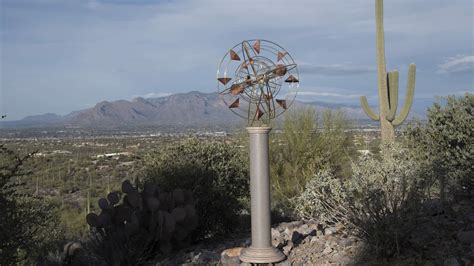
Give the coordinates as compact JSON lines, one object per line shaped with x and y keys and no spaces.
{"x":304,"y":148}
{"x":216,"y":173}
{"x":446,"y":143}
{"x":29,"y":223}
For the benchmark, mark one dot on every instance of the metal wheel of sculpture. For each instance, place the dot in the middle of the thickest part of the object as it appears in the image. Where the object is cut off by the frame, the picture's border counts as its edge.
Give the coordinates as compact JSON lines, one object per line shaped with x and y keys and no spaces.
{"x":258,"y":80}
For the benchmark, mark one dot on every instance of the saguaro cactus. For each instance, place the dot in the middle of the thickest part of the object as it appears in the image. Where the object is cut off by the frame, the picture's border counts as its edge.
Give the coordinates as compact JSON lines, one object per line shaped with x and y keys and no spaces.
{"x":388,"y":86}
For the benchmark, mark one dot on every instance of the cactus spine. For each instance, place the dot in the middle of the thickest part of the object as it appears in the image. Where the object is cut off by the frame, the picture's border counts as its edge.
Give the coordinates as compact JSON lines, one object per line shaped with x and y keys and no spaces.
{"x":388,"y":86}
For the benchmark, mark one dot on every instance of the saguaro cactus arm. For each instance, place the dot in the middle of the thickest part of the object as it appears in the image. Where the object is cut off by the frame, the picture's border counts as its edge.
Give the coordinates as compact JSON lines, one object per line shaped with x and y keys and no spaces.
{"x":409,"y":96}
{"x":392,"y":78}
{"x":367,"y":110}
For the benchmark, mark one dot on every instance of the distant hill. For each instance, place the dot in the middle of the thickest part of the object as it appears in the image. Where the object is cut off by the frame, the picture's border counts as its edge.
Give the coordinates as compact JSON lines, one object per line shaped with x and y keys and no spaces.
{"x":192,"y":109}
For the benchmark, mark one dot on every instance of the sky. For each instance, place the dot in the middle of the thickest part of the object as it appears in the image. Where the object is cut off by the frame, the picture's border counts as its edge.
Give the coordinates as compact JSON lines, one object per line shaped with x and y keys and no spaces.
{"x":57,"y":56}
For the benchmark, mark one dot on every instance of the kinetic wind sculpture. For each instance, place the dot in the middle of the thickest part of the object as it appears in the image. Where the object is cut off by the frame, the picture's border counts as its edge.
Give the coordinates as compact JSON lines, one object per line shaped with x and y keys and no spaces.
{"x":263,"y":85}
{"x":250,"y":80}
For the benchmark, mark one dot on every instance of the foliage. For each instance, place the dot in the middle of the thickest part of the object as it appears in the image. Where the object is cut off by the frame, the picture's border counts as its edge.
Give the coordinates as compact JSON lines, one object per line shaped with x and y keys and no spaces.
{"x":143,"y":225}
{"x":323,"y":199}
{"x":216,"y":173}
{"x":381,"y":200}
{"x":304,"y":148}
{"x":384,"y":198}
{"x":28,"y":223}
{"x":446,"y":143}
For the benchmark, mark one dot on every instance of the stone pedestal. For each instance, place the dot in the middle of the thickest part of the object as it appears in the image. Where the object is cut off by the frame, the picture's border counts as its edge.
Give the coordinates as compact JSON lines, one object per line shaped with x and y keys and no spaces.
{"x":261,"y":249}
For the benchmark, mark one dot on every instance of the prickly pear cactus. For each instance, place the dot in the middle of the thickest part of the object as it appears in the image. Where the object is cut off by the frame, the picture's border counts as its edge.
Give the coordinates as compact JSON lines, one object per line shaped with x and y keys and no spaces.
{"x":144,"y":223}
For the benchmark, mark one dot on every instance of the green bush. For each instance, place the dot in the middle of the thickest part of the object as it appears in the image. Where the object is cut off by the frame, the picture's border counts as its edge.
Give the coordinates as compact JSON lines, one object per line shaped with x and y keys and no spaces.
{"x":446,"y":143}
{"x":323,"y":199}
{"x":384,"y":198}
{"x":308,"y":144}
{"x":29,"y":224}
{"x":216,"y":173}
{"x":380,"y":201}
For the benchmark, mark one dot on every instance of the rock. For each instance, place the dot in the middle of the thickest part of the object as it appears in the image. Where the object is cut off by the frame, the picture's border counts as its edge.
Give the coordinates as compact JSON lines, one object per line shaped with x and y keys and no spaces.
{"x":275,"y":233}
{"x":287,"y":231}
{"x":206,"y":257}
{"x":346,"y":242}
{"x":466,"y":237}
{"x":317,"y":240}
{"x":279,"y":242}
{"x":287,"y":249}
{"x":226,"y":260}
{"x":327,"y":250}
{"x":296,"y":237}
{"x":340,"y":258}
{"x":306,"y":230}
{"x":329,"y":231}
{"x":232,"y":252}
{"x":451,"y":262}
{"x":294,"y":224}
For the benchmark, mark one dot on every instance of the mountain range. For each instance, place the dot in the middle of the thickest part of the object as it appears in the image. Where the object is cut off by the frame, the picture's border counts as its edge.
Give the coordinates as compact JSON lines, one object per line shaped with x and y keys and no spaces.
{"x":192,"y":109}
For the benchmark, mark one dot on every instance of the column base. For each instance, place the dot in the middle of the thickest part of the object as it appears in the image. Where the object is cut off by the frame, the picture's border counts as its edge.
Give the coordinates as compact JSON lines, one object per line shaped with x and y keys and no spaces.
{"x":261,"y":255}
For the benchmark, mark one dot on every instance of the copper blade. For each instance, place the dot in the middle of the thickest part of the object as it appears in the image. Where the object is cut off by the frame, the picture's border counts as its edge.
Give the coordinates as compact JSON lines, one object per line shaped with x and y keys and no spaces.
{"x":282,"y":103}
{"x":259,"y":113}
{"x":234,"y":55}
{"x":236,"y":89}
{"x":224,"y":80}
{"x":280,"y":70}
{"x":291,"y":79}
{"x":235,"y":104}
{"x":281,"y":55}
{"x":256,"y":46}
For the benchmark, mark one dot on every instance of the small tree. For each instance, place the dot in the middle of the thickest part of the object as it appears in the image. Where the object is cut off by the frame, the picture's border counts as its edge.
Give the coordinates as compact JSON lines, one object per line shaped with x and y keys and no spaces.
{"x":446,"y":143}
{"x":304,"y":148}
{"x":216,"y":173}
{"x":28,"y":223}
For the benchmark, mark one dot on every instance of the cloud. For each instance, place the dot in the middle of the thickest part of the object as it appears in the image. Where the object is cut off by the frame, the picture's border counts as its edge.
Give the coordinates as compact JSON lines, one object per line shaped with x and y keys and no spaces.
{"x":82,"y":51}
{"x":330,"y":94}
{"x":334,"y":69}
{"x":457,"y":64}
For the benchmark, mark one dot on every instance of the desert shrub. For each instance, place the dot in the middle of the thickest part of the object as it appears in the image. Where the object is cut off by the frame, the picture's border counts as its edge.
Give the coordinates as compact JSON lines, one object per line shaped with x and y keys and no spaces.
{"x":29,"y":224}
{"x":216,"y":173}
{"x":384,"y":198}
{"x":446,"y":143}
{"x":309,"y":142}
{"x":142,"y":226}
{"x":324,"y":199}
{"x":380,"y":201}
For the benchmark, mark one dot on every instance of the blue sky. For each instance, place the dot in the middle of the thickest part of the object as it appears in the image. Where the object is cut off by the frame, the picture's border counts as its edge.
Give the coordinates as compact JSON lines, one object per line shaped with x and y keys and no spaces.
{"x":64,"y":55}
